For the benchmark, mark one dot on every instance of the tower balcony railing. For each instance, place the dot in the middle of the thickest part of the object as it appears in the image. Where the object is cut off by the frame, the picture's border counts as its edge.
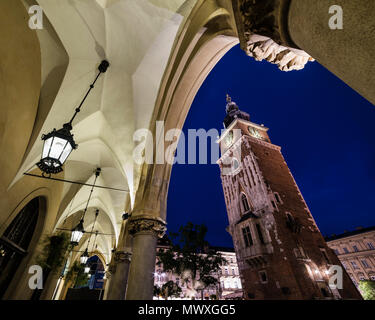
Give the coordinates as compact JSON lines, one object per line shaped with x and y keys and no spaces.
{"x":257,"y":254}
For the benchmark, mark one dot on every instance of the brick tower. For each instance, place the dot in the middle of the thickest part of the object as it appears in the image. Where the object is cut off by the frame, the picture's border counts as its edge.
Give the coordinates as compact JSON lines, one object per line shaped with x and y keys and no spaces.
{"x":280,"y":250}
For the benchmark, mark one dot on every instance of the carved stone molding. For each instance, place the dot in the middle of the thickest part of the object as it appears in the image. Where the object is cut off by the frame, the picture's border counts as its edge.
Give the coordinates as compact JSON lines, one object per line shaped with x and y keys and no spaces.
{"x":263,"y":32}
{"x":263,"y":48}
{"x":122,"y":256}
{"x":147,"y":224}
{"x":267,"y":18}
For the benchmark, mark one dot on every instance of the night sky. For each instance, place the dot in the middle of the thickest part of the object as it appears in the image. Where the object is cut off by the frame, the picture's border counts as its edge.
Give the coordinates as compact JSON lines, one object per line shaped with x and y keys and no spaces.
{"x":325,"y":129}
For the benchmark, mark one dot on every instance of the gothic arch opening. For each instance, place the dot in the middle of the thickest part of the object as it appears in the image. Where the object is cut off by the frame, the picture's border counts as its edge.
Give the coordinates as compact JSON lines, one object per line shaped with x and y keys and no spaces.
{"x":245,"y":203}
{"x":89,"y":282}
{"x":15,"y":242}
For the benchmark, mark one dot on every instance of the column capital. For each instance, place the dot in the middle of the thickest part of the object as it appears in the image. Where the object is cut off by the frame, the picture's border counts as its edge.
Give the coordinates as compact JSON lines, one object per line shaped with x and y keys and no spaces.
{"x":267,"y":18}
{"x":262,"y":27}
{"x":145,"y":224}
{"x":122,"y":256}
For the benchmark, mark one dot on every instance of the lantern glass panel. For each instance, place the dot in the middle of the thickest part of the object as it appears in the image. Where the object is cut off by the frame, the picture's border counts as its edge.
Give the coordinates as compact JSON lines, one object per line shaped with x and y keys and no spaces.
{"x":57,"y":148}
{"x":76,"y":236}
{"x":84,"y":259}
{"x":65,"y":154}
{"x":47,"y":147}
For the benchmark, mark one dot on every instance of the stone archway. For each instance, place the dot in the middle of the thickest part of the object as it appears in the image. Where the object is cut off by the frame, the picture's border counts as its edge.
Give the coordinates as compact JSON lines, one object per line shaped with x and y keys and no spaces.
{"x":264,"y":32}
{"x":20,"y":80}
{"x":18,"y":240}
{"x":156,"y":70}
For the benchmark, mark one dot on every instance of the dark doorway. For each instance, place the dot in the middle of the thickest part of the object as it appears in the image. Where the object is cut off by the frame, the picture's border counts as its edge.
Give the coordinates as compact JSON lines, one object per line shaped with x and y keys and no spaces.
{"x":15,"y":241}
{"x":93,"y":288}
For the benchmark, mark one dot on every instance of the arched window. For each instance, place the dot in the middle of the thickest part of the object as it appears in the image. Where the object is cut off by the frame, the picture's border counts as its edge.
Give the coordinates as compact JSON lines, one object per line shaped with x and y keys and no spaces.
{"x":290,"y":218}
{"x":235,"y":164}
{"x":245,"y":203}
{"x":361,"y":276}
{"x":15,"y":242}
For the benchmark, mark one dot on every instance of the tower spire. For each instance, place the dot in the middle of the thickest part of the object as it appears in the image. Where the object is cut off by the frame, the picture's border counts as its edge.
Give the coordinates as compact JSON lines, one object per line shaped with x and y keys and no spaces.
{"x":233,"y":112}
{"x":229,"y":99}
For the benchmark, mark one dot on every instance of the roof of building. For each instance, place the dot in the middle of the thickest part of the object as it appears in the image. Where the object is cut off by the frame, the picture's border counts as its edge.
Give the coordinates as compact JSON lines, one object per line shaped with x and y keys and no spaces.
{"x":166,"y":242}
{"x":233,"y":113}
{"x":223,"y":249}
{"x":359,"y":230}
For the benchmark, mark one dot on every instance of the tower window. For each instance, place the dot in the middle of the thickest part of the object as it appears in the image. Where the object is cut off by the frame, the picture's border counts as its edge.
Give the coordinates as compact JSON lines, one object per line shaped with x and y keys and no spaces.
{"x":324,"y":292}
{"x":345,"y":250}
{"x":235,"y":164}
{"x":260,"y":235}
{"x":361,"y":276}
{"x":263,"y":276}
{"x":365,"y":264}
{"x":303,"y":254}
{"x":292,"y":223}
{"x":324,"y":253}
{"x":273,"y":204}
{"x":245,"y":203}
{"x":247,"y":236}
{"x":355,"y":248}
{"x":370,"y":246}
{"x":290,"y":218}
{"x":277,"y":197}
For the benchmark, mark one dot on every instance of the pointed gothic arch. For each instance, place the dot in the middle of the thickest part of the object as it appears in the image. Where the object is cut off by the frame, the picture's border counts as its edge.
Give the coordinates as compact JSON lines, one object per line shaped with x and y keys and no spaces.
{"x":245,"y":205}
{"x":16,"y":240}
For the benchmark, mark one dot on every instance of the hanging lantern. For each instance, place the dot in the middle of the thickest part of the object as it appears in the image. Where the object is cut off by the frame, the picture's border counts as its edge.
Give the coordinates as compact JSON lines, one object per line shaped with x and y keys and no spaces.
{"x":84,"y":257}
{"x":77,"y":234}
{"x":58,"y":145}
{"x":78,"y":231}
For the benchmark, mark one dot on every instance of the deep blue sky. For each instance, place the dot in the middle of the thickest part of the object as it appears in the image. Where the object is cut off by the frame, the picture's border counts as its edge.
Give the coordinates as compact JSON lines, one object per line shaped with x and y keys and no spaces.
{"x":325,"y":129}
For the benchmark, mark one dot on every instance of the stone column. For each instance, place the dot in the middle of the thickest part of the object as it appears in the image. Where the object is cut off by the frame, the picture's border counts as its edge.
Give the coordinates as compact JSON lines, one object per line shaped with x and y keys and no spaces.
{"x":108,"y":276}
{"x":118,"y":269}
{"x":64,"y":289}
{"x":145,"y":230}
{"x":118,"y":273}
{"x":290,"y":33}
{"x":59,"y":288}
{"x":49,"y":289}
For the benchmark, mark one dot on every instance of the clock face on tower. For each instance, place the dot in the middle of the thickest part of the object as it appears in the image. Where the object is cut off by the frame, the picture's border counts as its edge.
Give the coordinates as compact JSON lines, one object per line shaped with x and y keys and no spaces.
{"x":254,"y":132}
